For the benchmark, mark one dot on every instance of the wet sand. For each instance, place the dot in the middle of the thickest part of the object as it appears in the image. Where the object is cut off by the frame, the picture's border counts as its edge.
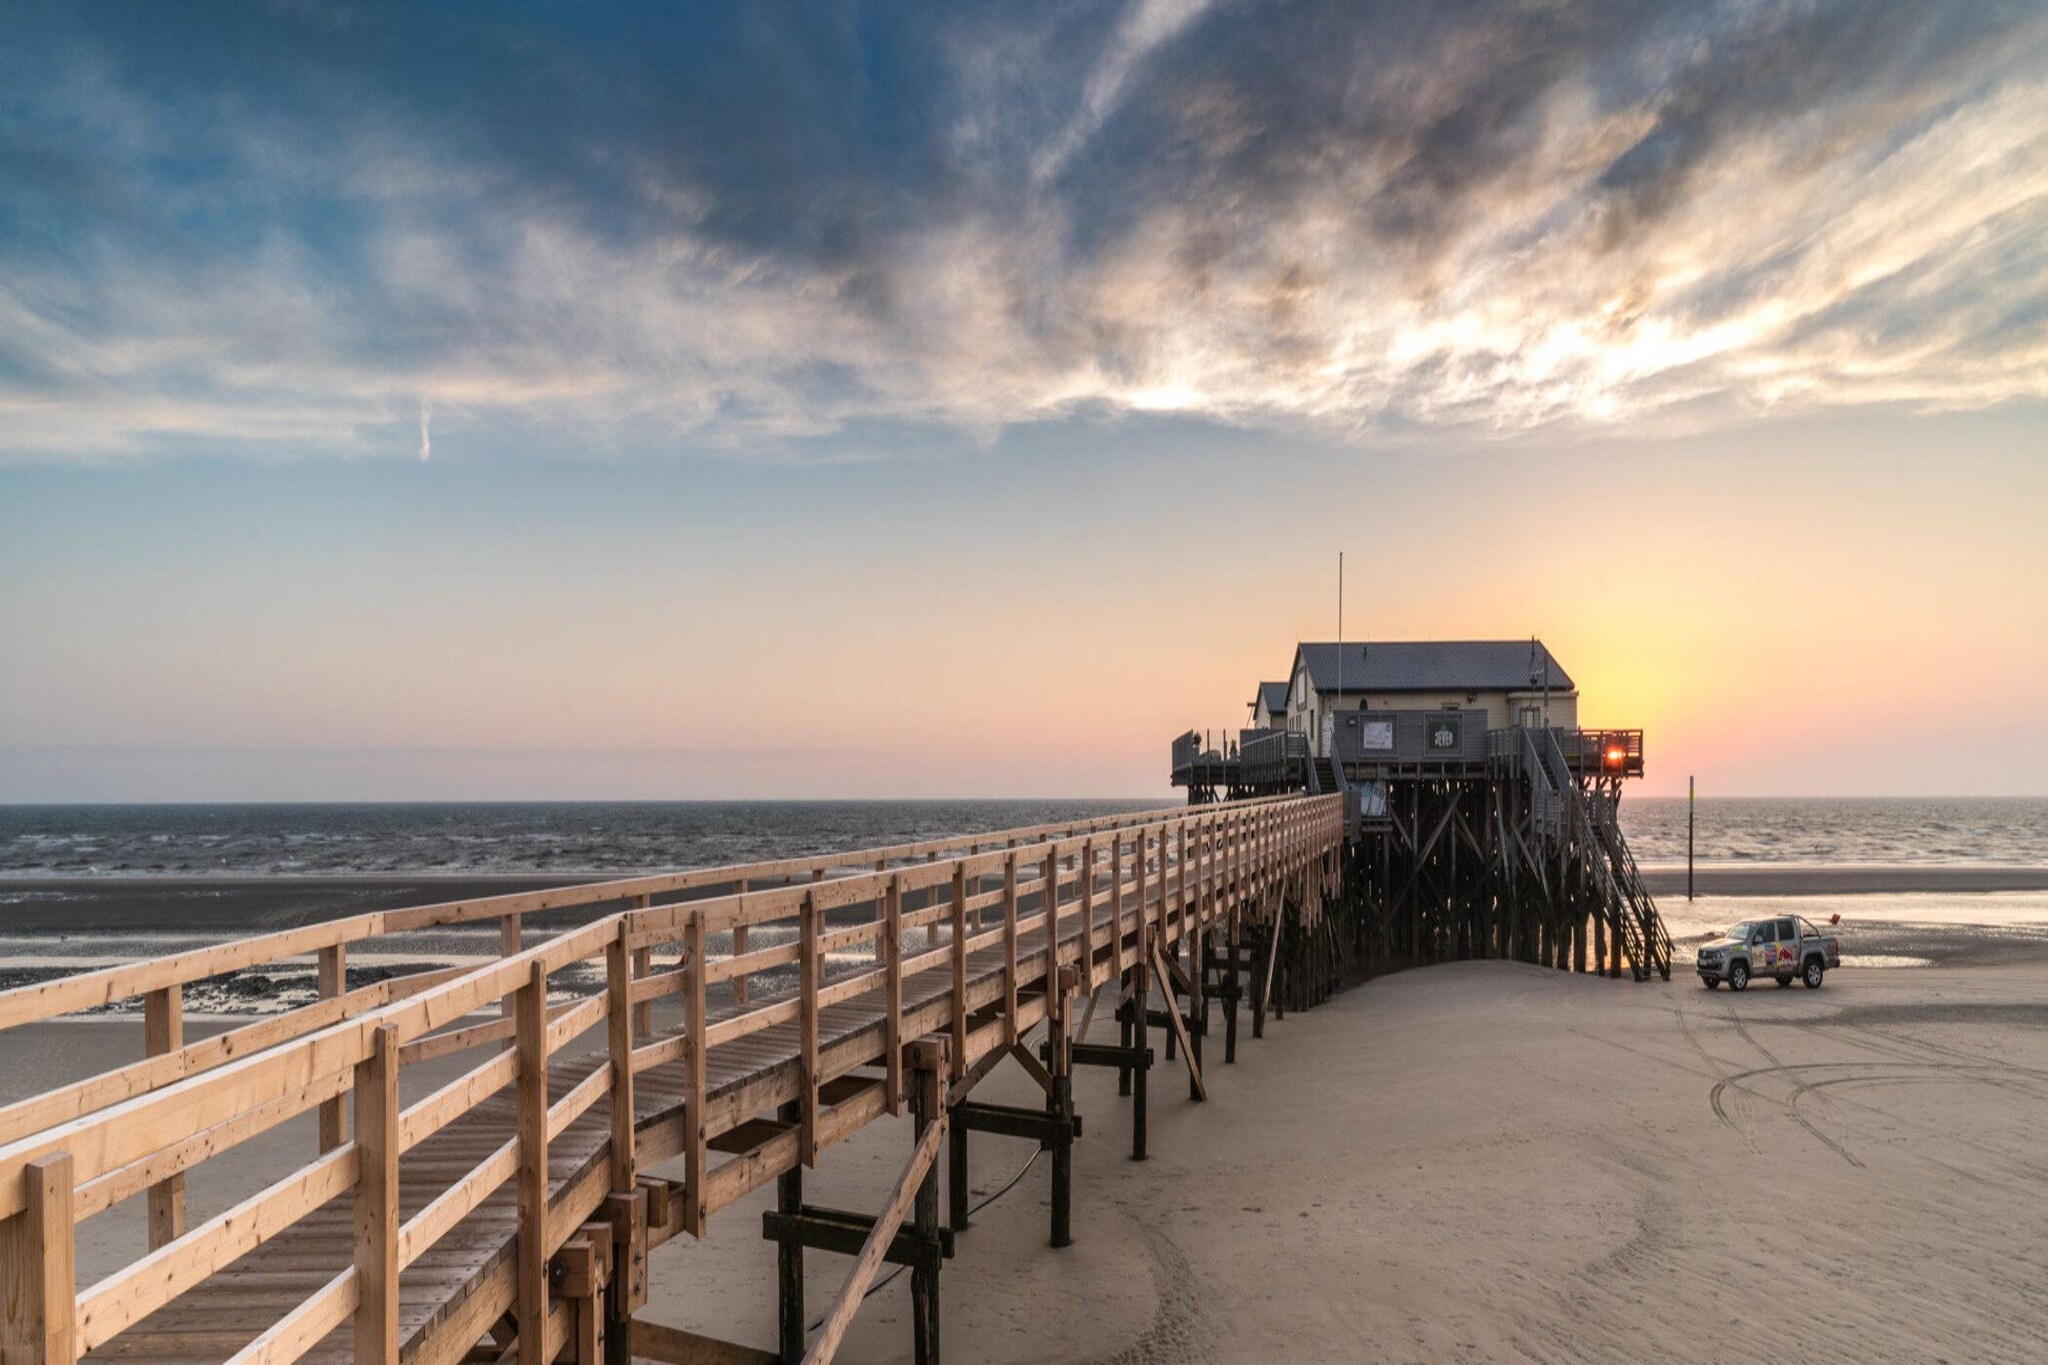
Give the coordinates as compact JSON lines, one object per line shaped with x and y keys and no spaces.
{"x":254,"y":904}
{"x":1805,"y":879}
{"x":235,"y":905}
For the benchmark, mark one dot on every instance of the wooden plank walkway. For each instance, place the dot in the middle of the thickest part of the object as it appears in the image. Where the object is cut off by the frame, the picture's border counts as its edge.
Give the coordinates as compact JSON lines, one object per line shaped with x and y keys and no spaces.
{"x":225,"y":1312}
{"x":974,"y":949}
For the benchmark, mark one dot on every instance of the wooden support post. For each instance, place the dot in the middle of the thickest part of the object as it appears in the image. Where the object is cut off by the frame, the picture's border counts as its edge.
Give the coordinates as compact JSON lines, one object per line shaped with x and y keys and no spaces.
{"x":627,"y":1289}
{"x":376,"y":1201}
{"x":530,"y":1037}
{"x":915,"y":1194}
{"x":1125,"y":1008}
{"x":333,"y":973}
{"x":584,"y":1274}
{"x":696,"y":1132}
{"x":1059,"y":1104}
{"x":789,"y":1256}
{"x":928,"y":1107}
{"x":1198,"y":1003}
{"x":1141,"y":995}
{"x":38,"y":1269}
{"x":957,"y":1191}
{"x":163,"y":1026}
{"x":1235,"y":938}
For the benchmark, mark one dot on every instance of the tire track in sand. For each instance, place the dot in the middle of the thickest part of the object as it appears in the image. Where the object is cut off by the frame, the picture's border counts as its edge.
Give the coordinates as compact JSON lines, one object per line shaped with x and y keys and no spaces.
{"x":1791,"y":1104}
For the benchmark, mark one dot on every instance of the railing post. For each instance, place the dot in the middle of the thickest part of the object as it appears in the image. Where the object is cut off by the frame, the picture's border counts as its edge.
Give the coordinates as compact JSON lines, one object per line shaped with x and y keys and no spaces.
{"x":508,"y":945}
{"x":1010,"y":946}
{"x":618,"y":1019}
{"x":38,"y":1270}
{"x":739,"y":945}
{"x":163,"y":1026}
{"x":1116,"y":903}
{"x":642,"y":960}
{"x":959,"y":1049}
{"x":530,"y":1037}
{"x":696,"y":1064}
{"x":1053,"y":954}
{"x":1088,"y":917}
{"x":892,"y":964}
{"x":809,"y":978}
{"x":376,"y":1201}
{"x":333,"y":982}
{"x":1183,"y":903}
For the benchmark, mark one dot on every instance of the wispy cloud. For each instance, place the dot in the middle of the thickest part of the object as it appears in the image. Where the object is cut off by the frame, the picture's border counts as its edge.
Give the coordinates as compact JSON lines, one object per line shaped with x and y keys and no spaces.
{"x":759,"y":235}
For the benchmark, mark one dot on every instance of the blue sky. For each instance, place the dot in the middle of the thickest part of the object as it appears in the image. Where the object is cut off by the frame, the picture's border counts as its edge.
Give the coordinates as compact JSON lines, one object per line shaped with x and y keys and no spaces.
{"x":588,"y":400}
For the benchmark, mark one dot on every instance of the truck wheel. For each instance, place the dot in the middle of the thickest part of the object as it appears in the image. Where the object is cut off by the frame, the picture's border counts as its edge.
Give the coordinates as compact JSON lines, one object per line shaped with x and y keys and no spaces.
{"x":1785,"y":981}
{"x":1710,"y":981}
{"x":1813,"y":973}
{"x":1738,"y":976}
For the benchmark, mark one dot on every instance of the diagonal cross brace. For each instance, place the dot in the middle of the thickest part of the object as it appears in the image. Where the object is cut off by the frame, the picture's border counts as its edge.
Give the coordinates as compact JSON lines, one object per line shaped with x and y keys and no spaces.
{"x":1180,"y":1028}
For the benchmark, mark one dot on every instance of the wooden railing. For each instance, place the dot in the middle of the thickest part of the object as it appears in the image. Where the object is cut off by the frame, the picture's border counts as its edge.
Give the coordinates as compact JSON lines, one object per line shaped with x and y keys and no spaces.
{"x":1056,"y":908}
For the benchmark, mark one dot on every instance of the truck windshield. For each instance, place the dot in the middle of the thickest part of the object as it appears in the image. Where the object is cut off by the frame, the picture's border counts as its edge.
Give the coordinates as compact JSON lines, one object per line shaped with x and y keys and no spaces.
{"x":1740,"y":933}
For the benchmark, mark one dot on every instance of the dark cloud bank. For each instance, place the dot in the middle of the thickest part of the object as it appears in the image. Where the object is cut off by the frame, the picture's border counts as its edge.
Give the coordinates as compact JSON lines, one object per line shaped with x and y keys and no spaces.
{"x":299,"y":228}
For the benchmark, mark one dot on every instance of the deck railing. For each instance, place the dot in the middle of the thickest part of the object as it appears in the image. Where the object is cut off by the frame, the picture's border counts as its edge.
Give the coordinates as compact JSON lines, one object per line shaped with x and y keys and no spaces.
{"x":783,"y":954}
{"x":1273,"y":756}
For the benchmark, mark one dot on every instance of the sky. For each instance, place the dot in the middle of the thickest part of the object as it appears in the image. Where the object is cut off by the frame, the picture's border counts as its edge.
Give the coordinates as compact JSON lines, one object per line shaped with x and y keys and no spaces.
{"x":549,"y":401}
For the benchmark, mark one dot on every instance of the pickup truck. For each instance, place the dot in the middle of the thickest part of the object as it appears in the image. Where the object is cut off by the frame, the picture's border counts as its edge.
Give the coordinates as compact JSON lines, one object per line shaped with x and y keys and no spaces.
{"x":1789,"y":949}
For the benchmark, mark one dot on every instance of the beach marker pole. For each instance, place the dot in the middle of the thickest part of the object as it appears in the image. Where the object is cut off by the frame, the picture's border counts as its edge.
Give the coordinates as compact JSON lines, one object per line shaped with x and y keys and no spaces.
{"x":1690,"y":783}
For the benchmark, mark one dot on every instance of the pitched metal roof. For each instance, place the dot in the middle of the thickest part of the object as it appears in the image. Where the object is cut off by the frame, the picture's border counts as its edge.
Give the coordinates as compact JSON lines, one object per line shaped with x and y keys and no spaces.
{"x":1274,"y":695}
{"x":1435,"y":666}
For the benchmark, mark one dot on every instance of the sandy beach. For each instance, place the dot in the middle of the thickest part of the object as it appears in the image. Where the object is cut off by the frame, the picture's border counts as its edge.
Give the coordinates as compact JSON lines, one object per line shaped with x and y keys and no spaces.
{"x":1488,"y":1161}
{"x":1481,"y":1161}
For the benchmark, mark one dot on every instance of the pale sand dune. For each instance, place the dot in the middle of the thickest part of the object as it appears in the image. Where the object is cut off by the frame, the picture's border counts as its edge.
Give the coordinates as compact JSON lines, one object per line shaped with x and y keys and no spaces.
{"x":1496,"y":1162}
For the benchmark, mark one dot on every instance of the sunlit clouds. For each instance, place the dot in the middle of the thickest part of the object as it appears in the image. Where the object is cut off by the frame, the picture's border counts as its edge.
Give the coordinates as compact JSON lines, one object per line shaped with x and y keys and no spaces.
{"x":1351,"y":220}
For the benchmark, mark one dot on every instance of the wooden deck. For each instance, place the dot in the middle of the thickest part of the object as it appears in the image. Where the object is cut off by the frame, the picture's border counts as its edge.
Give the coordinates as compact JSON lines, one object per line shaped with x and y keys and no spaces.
{"x":419,"y":1237}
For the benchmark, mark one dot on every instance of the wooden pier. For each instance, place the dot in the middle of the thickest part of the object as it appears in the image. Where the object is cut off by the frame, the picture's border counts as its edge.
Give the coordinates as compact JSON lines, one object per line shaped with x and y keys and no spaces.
{"x":743,"y":1019}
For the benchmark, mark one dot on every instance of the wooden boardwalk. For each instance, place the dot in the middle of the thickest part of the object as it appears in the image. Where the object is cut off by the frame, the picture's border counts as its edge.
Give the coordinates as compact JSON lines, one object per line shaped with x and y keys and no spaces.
{"x":509,"y":1214}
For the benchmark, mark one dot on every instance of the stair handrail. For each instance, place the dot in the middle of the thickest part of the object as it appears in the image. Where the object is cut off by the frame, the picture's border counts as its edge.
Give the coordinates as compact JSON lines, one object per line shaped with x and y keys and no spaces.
{"x":1658,"y":936}
{"x":1628,"y":919}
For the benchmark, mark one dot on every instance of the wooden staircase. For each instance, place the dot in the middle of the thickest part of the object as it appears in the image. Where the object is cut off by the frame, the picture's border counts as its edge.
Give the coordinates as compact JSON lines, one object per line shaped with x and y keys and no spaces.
{"x":1589,"y":821}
